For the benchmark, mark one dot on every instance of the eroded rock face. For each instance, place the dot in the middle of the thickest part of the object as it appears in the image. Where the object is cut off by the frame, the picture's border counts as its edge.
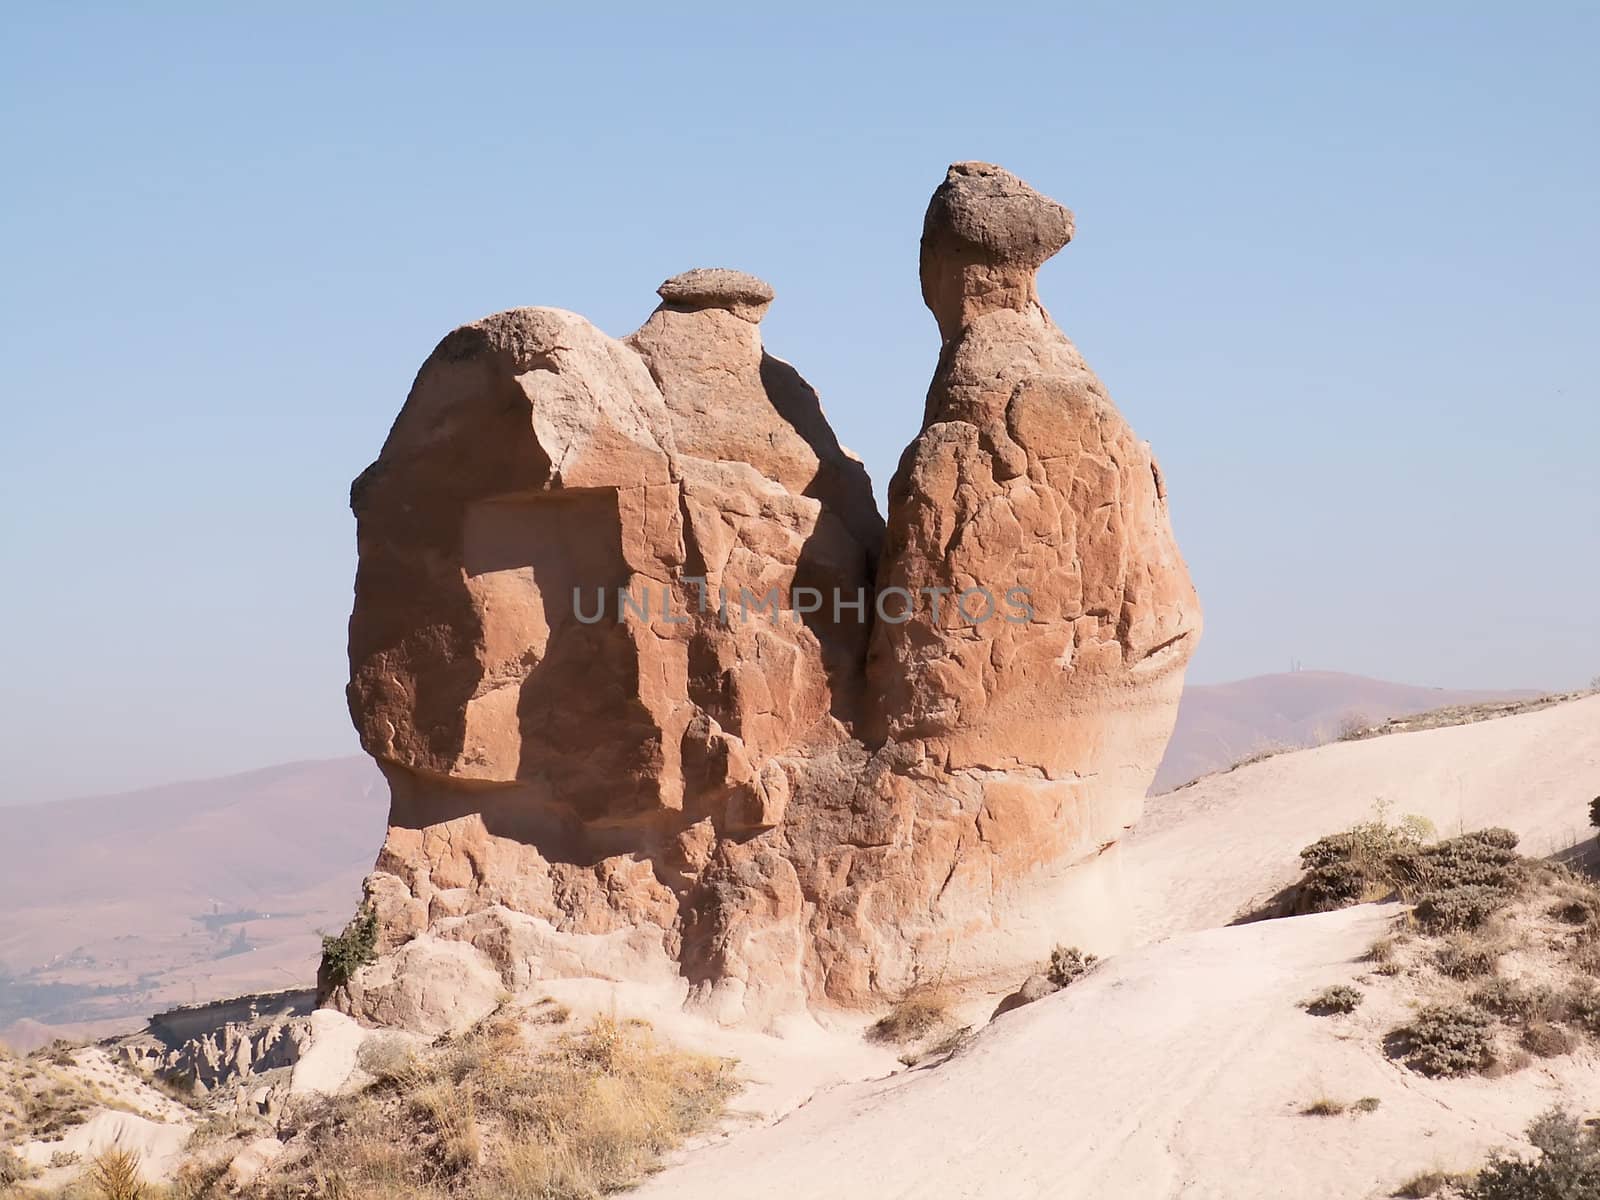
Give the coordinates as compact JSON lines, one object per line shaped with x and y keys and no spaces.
{"x":658,"y":696}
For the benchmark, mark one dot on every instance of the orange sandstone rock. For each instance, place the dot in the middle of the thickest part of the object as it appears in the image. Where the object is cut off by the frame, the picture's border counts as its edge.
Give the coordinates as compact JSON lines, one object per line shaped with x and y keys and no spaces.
{"x":658,"y":696}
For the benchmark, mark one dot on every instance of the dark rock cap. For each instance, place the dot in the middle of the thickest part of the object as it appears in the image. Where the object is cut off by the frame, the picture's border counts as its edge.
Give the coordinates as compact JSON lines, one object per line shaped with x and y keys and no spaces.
{"x":986,"y":209}
{"x":718,"y":287}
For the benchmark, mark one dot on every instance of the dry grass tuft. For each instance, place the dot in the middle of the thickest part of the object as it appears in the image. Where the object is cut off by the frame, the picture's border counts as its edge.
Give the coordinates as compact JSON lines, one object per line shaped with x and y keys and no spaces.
{"x":487,"y":1116}
{"x":114,"y":1175}
{"x":1428,"y":1183}
{"x":1548,"y":1040}
{"x":1467,"y":955}
{"x":916,"y":1016}
{"x":1324,"y":1106}
{"x":13,"y":1170}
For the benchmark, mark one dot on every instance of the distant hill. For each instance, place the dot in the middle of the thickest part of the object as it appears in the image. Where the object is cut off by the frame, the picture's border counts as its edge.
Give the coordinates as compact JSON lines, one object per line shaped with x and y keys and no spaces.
{"x":1220,"y":723}
{"x":118,"y":905}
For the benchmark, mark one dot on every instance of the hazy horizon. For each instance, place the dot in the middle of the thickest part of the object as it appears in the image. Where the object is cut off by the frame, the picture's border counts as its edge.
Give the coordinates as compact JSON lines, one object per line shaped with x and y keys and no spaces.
{"x":1339,"y":268}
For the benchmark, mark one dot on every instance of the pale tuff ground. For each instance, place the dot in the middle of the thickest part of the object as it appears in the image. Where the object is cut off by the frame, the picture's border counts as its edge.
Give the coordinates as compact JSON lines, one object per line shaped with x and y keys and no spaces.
{"x":1182,"y":1065}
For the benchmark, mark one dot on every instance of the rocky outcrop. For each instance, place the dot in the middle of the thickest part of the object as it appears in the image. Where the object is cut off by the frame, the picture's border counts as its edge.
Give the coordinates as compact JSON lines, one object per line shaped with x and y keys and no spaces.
{"x":659,"y":695}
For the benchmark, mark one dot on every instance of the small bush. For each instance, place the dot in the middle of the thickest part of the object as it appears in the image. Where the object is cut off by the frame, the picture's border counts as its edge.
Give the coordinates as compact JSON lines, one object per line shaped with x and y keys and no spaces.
{"x":1548,"y":1040}
{"x":1581,"y":1005}
{"x":550,"y":1011}
{"x":1594,"y":812}
{"x":1341,"y":998}
{"x":1568,"y":1166}
{"x":1445,"y":1040}
{"x":1351,"y":726}
{"x":1324,"y":1107}
{"x":918,"y":1015}
{"x":1347,"y":868}
{"x":115,"y":1176}
{"x":388,"y":1058}
{"x":13,"y":1169}
{"x":1426,"y":1183}
{"x":1381,"y":951}
{"x":1367,"y":1104}
{"x":1512,"y":1001}
{"x":1485,"y":858}
{"x":346,"y":953}
{"x":1440,"y":910}
{"x":1068,"y":964}
{"x":1466,"y":958}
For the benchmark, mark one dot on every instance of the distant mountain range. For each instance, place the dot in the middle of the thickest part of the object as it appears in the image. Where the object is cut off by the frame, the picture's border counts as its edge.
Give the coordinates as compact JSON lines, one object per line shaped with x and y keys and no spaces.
{"x":1220,"y":723}
{"x":117,"y":906}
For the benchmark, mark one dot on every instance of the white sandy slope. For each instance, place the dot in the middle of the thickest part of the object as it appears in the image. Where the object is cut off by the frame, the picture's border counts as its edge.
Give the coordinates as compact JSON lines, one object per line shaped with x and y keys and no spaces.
{"x":1176,"y":1070}
{"x":1180,"y":1067}
{"x":1205,"y":852}
{"x":156,"y":1133}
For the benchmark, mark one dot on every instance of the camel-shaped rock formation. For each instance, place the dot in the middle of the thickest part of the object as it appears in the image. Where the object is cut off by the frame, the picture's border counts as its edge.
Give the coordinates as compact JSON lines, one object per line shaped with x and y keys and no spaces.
{"x":659,"y":696}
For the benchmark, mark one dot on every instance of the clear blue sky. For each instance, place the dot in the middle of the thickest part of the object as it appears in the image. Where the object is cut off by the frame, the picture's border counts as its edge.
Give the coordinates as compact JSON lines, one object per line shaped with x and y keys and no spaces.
{"x":1339,"y":263}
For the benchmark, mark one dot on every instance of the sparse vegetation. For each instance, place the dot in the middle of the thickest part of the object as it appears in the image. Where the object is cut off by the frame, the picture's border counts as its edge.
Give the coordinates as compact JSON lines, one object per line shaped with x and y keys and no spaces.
{"x":1548,"y":1040}
{"x":1466,"y":956}
{"x":917,"y":1015}
{"x":388,"y":1058}
{"x":39,"y":1099}
{"x":1324,"y":1106}
{"x":1352,"y":726}
{"x":1445,"y":1040}
{"x":1068,"y":964}
{"x":13,"y":1170}
{"x":1357,"y":865}
{"x":1341,"y":998}
{"x":1382,"y":951}
{"x":487,"y":1116}
{"x":1428,"y":1183}
{"x":1567,"y":1166}
{"x":1367,"y":1104}
{"x":114,"y":1175}
{"x":1510,"y":1000}
{"x":345,"y":953}
{"x":1462,"y":881}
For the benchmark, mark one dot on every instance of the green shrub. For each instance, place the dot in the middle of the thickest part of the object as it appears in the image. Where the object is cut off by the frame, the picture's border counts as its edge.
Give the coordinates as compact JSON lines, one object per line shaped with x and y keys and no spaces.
{"x":1445,"y":1040}
{"x":1341,"y":998}
{"x":1335,"y":885}
{"x":1486,"y":857}
{"x":1346,"y":868}
{"x":1465,"y":907}
{"x":345,"y":954}
{"x":1568,"y":1166}
{"x":1068,"y":964}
